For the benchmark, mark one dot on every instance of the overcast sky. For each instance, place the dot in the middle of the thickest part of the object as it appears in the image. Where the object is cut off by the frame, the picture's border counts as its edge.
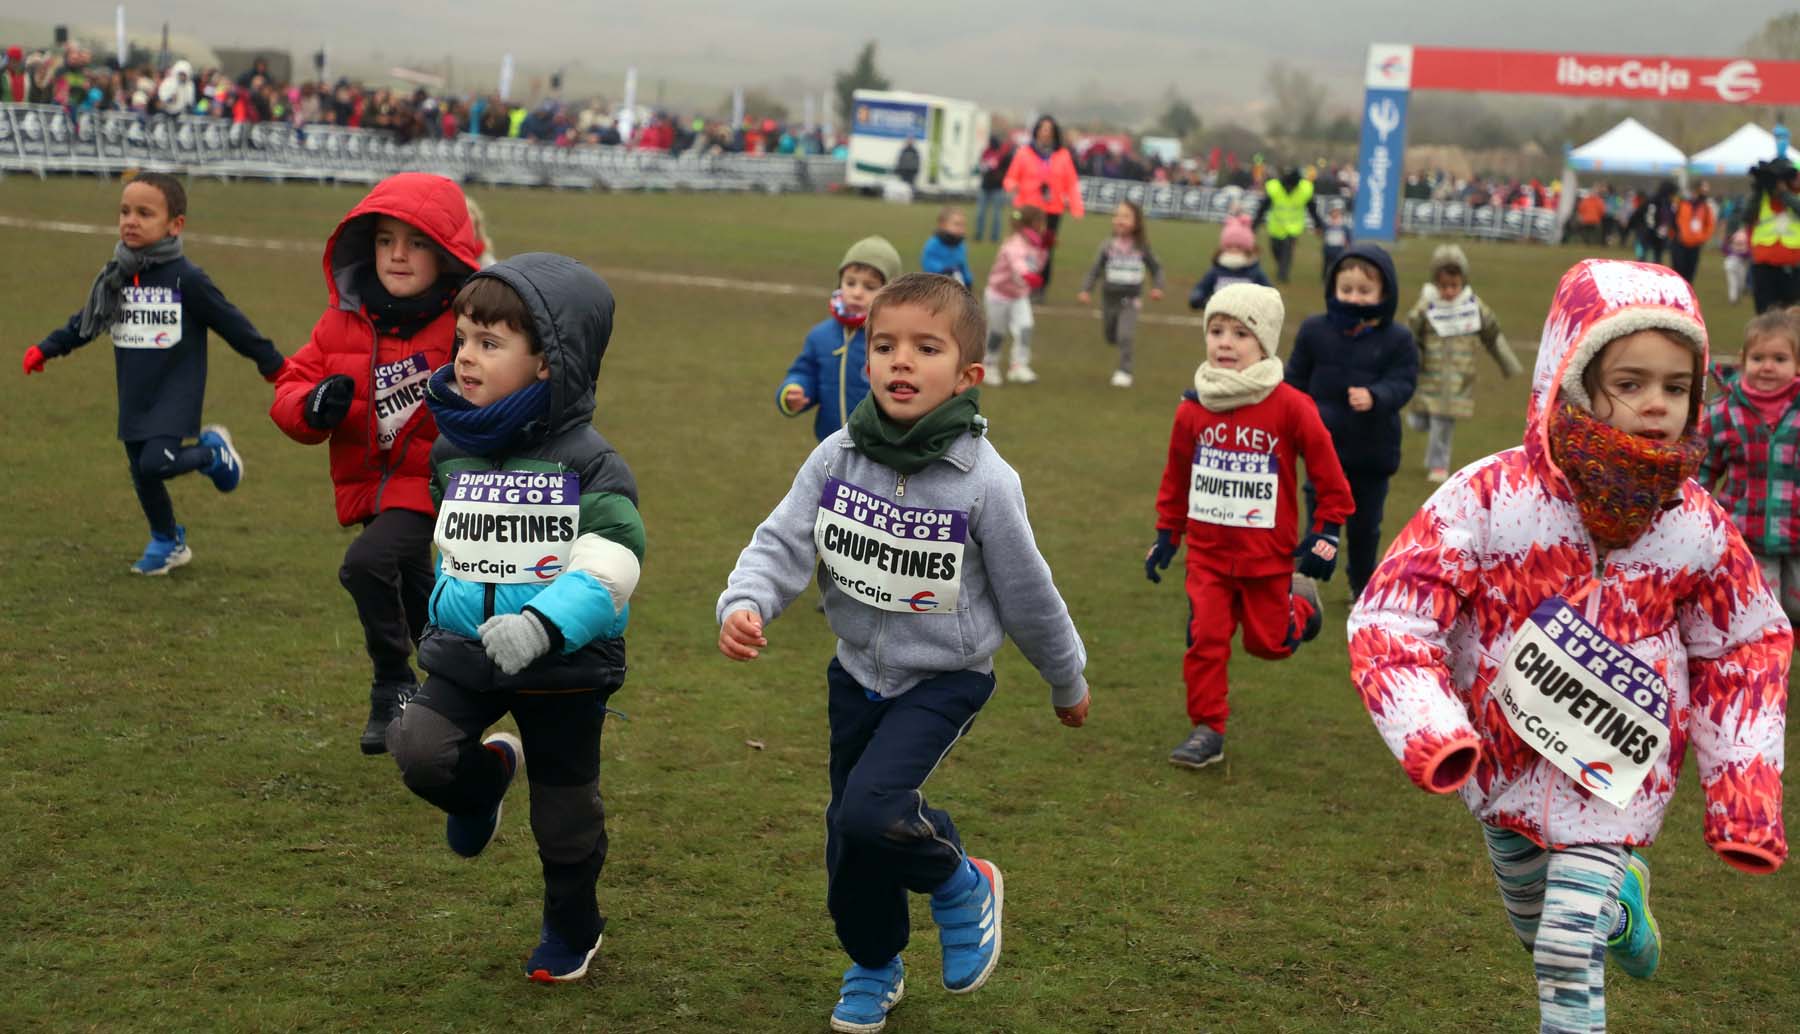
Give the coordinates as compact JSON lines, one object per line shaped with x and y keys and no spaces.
{"x":1006,"y":54}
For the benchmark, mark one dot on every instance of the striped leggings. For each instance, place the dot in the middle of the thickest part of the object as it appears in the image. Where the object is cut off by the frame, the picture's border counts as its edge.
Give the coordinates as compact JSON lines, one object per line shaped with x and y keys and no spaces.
{"x":1562,"y":904}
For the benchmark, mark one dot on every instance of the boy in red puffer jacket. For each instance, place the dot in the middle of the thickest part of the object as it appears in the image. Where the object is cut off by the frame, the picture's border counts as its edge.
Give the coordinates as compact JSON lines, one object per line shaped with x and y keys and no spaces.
{"x":392,"y":267}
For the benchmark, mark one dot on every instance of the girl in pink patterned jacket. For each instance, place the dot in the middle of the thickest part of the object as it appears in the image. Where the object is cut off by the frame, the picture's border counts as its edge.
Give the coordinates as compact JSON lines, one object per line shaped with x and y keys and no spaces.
{"x":1561,"y":620}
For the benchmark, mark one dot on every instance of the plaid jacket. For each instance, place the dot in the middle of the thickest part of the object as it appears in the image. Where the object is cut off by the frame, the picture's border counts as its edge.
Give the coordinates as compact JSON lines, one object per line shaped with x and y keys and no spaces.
{"x":1760,"y":468}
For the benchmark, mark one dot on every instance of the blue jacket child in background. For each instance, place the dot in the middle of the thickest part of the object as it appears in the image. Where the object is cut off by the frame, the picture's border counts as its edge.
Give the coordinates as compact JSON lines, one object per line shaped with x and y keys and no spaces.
{"x":829,"y":372}
{"x":540,"y":543}
{"x":1361,"y":368}
{"x":947,"y":250}
{"x":158,"y":306}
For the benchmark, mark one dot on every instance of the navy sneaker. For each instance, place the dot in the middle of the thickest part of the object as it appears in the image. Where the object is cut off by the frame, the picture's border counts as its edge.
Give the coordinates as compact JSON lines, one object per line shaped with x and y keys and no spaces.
{"x":227,"y":467}
{"x":469,"y":835}
{"x":164,"y":555}
{"x":1202,"y":747}
{"x":867,"y":996}
{"x":556,"y":960}
{"x":969,"y":930}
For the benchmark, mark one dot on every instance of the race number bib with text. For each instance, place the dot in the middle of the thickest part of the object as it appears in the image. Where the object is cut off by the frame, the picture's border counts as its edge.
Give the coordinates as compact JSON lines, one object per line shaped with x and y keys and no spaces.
{"x":149,"y":317}
{"x":899,"y":558}
{"x":1587,"y":704}
{"x":1454,"y":319}
{"x":1233,"y":488}
{"x":399,"y":391}
{"x":508,"y":526}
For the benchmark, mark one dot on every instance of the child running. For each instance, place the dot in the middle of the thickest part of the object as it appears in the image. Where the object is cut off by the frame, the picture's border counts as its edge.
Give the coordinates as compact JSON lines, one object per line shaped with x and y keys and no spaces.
{"x":1234,"y":263}
{"x":931,"y":562}
{"x":1448,"y":322}
{"x":158,"y":306}
{"x":947,"y":250}
{"x":830,"y":372}
{"x":1120,"y":267}
{"x":541,"y":544}
{"x":1228,"y":489}
{"x":1017,"y":273}
{"x":1752,"y":433}
{"x":1556,"y":626}
{"x":391,"y":268}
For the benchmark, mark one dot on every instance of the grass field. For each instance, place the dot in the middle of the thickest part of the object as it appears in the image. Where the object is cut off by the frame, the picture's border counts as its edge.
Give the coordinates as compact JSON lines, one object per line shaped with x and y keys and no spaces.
{"x":194,"y":843}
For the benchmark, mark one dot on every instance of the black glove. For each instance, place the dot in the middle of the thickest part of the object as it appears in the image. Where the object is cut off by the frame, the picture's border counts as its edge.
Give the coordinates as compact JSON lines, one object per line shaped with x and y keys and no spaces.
{"x":329,"y":402}
{"x":1160,"y":555}
{"x":1311,"y":564}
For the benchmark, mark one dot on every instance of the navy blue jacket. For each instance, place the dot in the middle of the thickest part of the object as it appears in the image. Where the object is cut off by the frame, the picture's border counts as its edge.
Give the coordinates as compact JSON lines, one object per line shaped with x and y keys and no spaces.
{"x":1326,"y":363}
{"x":161,"y":386}
{"x":1224,"y":276}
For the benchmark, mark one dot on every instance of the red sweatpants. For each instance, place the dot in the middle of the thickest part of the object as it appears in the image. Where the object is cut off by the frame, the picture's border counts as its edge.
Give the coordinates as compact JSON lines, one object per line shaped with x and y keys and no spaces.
{"x":1217,"y":604}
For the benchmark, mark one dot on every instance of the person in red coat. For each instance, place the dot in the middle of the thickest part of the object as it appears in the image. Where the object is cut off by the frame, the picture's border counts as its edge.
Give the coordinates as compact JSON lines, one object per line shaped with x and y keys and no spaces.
{"x":391,"y":269}
{"x":1043,"y":176}
{"x":1229,"y":488}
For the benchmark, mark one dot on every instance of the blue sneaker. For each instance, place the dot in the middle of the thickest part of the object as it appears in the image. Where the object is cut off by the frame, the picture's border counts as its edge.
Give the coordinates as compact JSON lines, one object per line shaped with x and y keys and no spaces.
{"x":555,"y":960}
{"x":1638,"y":947}
{"x":469,"y":835}
{"x":164,"y":555}
{"x":969,"y":930}
{"x":227,"y":467}
{"x":866,"y":998}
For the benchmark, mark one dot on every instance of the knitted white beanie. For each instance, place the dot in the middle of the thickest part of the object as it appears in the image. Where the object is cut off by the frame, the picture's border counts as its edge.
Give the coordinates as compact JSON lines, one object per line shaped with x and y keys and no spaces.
{"x":1256,"y":307}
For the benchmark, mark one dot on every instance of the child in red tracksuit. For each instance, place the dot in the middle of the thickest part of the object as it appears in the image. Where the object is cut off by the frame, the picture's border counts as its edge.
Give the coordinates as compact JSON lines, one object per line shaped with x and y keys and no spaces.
{"x":392,"y":267}
{"x":1230,"y":485}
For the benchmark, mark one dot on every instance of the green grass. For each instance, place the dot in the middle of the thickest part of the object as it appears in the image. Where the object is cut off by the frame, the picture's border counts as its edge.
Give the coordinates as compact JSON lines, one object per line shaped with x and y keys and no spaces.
{"x":194,"y":843}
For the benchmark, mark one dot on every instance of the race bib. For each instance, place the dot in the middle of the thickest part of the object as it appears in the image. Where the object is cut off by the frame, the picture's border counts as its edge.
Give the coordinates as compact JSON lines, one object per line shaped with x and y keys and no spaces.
{"x":399,"y":392}
{"x":899,"y":558}
{"x":1454,"y":319}
{"x":1124,"y":271}
{"x":1233,"y":488}
{"x":1588,"y":705}
{"x":508,"y":526}
{"x":149,"y":317}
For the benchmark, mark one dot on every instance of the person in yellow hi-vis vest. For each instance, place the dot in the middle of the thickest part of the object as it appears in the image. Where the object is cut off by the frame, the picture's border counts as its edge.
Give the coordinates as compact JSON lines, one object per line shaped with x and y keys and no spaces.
{"x":1773,"y":219}
{"x":1286,"y":204}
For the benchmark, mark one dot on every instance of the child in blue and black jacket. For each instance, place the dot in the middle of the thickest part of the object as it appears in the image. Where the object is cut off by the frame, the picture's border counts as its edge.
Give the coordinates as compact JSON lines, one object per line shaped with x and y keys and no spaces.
{"x":829,"y":372}
{"x":158,"y":306}
{"x":540,"y":544}
{"x":1361,"y":368}
{"x":947,"y":250}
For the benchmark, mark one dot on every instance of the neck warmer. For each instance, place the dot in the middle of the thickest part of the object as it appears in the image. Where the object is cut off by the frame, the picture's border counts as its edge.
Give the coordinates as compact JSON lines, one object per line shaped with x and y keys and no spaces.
{"x":1770,"y":405}
{"x":1234,"y":259}
{"x":1221,"y":390}
{"x":852,"y":320}
{"x":105,"y":296}
{"x":1043,"y":152}
{"x":1035,"y":238}
{"x":402,"y":317}
{"x":912,"y":449}
{"x":484,"y":430}
{"x":1349,"y":319}
{"x":1621,"y":482}
{"x":948,"y":239}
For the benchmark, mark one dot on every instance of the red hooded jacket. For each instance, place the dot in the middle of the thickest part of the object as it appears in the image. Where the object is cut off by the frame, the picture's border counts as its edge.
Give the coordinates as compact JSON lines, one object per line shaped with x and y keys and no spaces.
{"x":368,"y":478}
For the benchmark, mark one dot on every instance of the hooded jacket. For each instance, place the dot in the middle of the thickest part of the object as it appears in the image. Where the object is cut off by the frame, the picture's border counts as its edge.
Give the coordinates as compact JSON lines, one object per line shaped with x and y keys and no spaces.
{"x":1326,"y":363}
{"x":1431,"y":629}
{"x":1750,"y":467}
{"x":586,"y":604}
{"x":388,"y":370}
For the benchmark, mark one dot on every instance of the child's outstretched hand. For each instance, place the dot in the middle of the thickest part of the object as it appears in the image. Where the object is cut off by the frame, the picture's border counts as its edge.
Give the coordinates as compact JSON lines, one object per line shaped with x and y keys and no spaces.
{"x":34,"y":360}
{"x":741,"y":634}
{"x":1074,"y":717}
{"x":1083,"y":297}
{"x":1156,"y":294}
{"x":794,"y":398}
{"x":1361,"y":400}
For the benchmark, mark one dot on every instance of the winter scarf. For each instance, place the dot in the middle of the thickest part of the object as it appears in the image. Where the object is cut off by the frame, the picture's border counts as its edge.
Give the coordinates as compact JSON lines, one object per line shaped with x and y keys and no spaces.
{"x":1221,"y":390}
{"x":912,"y":449}
{"x":105,"y":298}
{"x":485,"y":430}
{"x":1770,"y":405}
{"x":1621,"y":482}
{"x":948,"y":239}
{"x":1347,"y":317}
{"x":844,"y":318}
{"x":403,"y":317}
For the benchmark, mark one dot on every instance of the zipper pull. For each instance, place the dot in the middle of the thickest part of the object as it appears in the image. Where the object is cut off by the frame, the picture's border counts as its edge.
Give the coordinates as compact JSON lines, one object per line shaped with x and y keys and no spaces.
{"x":900,"y":487}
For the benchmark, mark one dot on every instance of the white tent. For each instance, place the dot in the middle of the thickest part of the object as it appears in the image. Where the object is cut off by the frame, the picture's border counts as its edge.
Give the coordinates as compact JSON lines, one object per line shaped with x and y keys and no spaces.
{"x":1736,"y":153}
{"x":1627,"y":149}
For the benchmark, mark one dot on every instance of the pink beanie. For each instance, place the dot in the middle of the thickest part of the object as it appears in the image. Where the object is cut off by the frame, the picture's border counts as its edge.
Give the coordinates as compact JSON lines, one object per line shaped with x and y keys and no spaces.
{"x":1237,"y":236}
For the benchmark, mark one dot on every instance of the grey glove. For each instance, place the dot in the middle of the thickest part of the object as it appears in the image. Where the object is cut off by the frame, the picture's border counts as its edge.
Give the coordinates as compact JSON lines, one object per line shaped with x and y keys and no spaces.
{"x":513,"y":641}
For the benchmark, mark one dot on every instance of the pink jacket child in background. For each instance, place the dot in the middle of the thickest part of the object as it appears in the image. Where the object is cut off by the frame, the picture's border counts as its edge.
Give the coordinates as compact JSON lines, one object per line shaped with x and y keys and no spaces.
{"x":1018,"y":271}
{"x":1479,"y":643}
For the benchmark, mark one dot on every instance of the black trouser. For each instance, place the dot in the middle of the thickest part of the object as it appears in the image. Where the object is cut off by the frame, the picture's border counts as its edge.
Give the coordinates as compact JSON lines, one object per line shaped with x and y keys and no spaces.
{"x":437,"y":743}
{"x":1362,"y":532}
{"x":388,"y":572}
{"x":1773,"y":286}
{"x":881,"y":838}
{"x":1051,"y":222}
{"x":1283,"y":249}
{"x":1684,"y":260}
{"x":154,"y":461}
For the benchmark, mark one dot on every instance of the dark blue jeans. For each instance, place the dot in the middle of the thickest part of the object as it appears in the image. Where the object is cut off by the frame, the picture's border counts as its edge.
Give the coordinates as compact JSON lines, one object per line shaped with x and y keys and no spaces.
{"x":992,"y":205}
{"x":881,"y":838}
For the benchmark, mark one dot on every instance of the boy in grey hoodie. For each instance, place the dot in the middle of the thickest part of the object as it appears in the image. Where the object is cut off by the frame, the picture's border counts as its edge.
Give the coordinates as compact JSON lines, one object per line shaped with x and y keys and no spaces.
{"x":930,"y":562}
